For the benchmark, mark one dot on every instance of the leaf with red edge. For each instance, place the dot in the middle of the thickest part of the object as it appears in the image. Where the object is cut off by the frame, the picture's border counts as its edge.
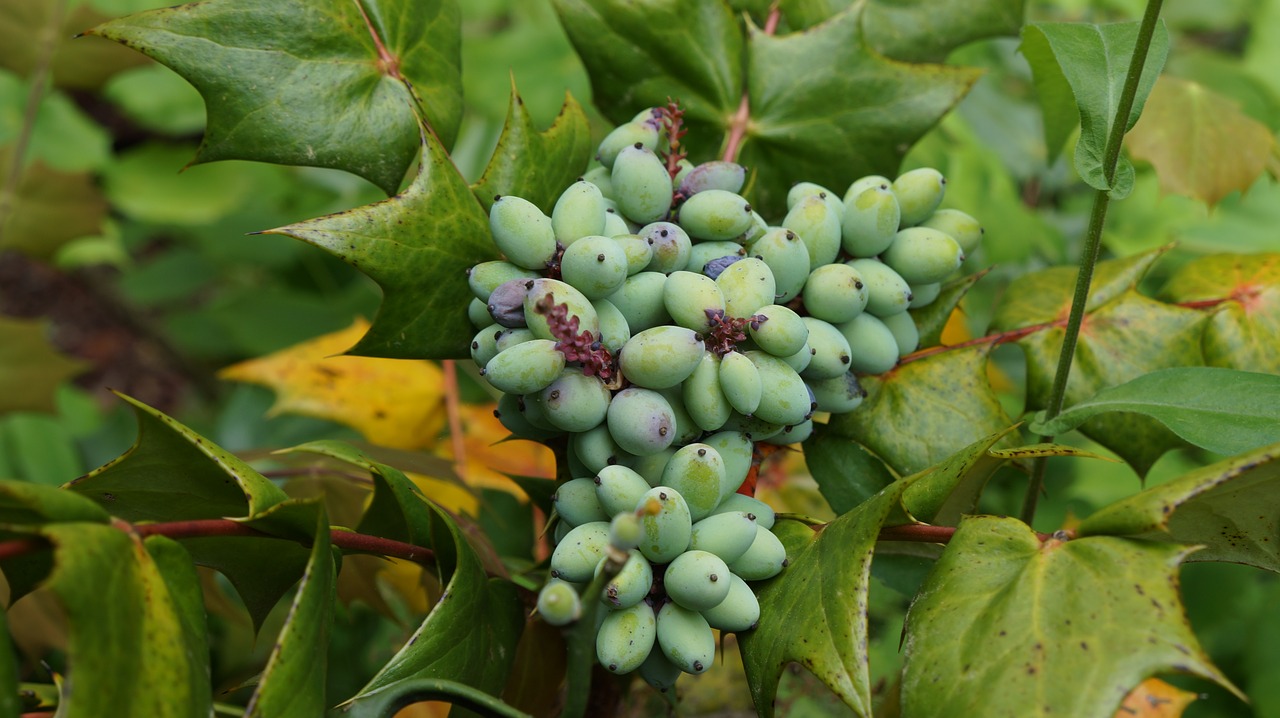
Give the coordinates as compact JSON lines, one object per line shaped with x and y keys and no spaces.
{"x":924,"y":410}
{"x":1242,"y":294}
{"x":321,"y":83}
{"x":418,"y":247}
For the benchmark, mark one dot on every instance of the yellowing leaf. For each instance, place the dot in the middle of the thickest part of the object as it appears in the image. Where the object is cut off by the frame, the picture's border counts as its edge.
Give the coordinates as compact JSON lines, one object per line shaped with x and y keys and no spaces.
{"x":1199,"y":141}
{"x":489,"y":459}
{"x":1153,"y":698}
{"x":399,"y":404}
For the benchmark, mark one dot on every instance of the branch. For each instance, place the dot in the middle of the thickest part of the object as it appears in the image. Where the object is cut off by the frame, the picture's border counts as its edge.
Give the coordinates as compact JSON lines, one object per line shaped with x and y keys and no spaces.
{"x":738,"y":123}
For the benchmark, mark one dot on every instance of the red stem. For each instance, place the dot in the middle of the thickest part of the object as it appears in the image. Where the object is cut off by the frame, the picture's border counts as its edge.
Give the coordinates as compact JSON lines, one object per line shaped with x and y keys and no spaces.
{"x":389,"y":62}
{"x":922,"y":533}
{"x":741,"y":118}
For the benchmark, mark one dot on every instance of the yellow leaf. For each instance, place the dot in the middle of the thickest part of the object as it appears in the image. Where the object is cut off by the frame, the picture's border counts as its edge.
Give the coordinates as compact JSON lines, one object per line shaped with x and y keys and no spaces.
{"x":399,"y":404}
{"x":489,"y":459}
{"x":1153,"y":698}
{"x":1199,"y":142}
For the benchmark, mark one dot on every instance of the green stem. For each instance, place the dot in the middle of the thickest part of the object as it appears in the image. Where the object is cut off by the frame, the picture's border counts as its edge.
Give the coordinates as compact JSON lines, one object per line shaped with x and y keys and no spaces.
{"x":1093,"y":243}
{"x":48,"y":43}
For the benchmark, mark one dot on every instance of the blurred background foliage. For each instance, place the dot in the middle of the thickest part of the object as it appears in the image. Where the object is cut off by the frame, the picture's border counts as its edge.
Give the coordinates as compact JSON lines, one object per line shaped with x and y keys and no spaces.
{"x":121,"y":270}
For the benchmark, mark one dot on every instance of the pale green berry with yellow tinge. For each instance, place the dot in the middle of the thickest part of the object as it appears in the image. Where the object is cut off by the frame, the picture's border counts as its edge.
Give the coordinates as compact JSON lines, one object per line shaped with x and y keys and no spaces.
{"x":594,"y":265}
{"x":619,"y":488}
{"x":626,"y":637}
{"x":887,"y":292}
{"x":659,"y":672}
{"x":784,"y":252}
{"x":578,"y":213}
{"x":870,"y":221}
{"x":747,"y":285}
{"x":546,"y":292}
{"x":671,"y":246}
{"x":641,"y":421}
{"x":923,"y":256}
{"x":641,"y":185}
{"x":922,"y":295}
{"x":715,"y":214}
{"x":764,"y":559}
{"x":640,"y":301}
{"x":575,"y":402}
{"x":558,"y":603}
{"x":802,"y":190}
{"x":526,"y":367}
{"x":737,"y":451}
{"x":963,"y":228}
{"x":627,"y":135}
{"x":575,"y":502}
{"x":872,"y":348}
{"x":577,"y":554}
{"x":696,"y":471}
{"x":633,"y":582}
{"x":739,"y":611}
{"x":688,"y":297}
{"x":835,"y":293}
{"x":837,"y":395}
{"x":661,"y":357}
{"x":638,"y":251}
{"x":919,"y":193}
{"x":726,"y":535}
{"x":813,"y":219}
{"x":614,"y":330}
{"x":783,"y":396}
{"x":703,"y":398}
{"x":522,"y":232}
{"x":830,"y":357}
{"x":685,"y":638}
{"x":667,"y":524}
{"x":595,"y":448}
{"x":697,"y":580}
{"x":740,"y":382}
{"x":779,"y":330}
{"x":861,"y":184}
{"x":904,"y":331}
{"x":763,"y":513}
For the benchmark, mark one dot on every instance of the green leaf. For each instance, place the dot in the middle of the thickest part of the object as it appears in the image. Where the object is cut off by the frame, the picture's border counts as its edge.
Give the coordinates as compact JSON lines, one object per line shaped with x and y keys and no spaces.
{"x":26,"y":503}
{"x":923,"y":31}
{"x":461,"y":695}
{"x":827,"y":109}
{"x":172,"y":473}
{"x":1199,"y":141}
{"x":847,"y":474}
{"x":534,"y":165}
{"x":640,"y":54}
{"x":923,"y":411}
{"x":943,"y":494}
{"x":142,"y":183}
{"x":321,"y":83}
{"x":48,"y":208}
{"x":30,"y":368}
{"x":1242,"y":292}
{"x":138,"y":646}
{"x":470,"y":635}
{"x":1079,"y":72}
{"x":932,"y":318}
{"x":815,"y":612}
{"x":10,"y":704}
{"x":418,"y":247}
{"x":1221,"y":507}
{"x":1009,"y":626}
{"x":1222,"y":410}
{"x":41,"y":448}
{"x":262,"y":570}
{"x":293,"y":683}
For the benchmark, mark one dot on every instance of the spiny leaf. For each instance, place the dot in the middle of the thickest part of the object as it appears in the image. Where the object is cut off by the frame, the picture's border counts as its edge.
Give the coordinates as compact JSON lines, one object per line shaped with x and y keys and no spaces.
{"x":929,"y":31}
{"x":1242,"y":291}
{"x":30,"y":368}
{"x":847,"y":474}
{"x":1222,"y":410}
{"x":293,"y":683}
{"x":49,"y":208}
{"x":321,"y":83}
{"x":815,"y":612}
{"x":1226,"y":507}
{"x":1199,"y":141}
{"x":1008,"y":626}
{"x":932,"y":318}
{"x":22,"y":502}
{"x":418,"y":247}
{"x":1079,"y":71}
{"x":395,"y":404}
{"x":138,"y":646}
{"x":534,"y":165}
{"x":484,"y":615}
{"x":924,"y":410}
{"x":639,"y":54}
{"x":827,"y":109}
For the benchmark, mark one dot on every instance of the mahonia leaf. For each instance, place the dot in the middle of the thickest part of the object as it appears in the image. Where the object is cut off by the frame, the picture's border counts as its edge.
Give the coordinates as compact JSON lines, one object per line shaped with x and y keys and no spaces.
{"x":1224,"y":507}
{"x":418,"y":247}
{"x":293,"y":683}
{"x":395,"y":404}
{"x":321,"y":83}
{"x":847,"y":474}
{"x":1223,"y":410}
{"x":815,"y":612}
{"x":1199,"y":141}
{"x":924,"y":410}
{"x":1079,"y":72}
{"x":49,"y":208}
{"x":826,"y":108}
{"x":534,"y":165}
{"x":138,"y":644}
{"x":482,"y":614}
{"x":1242,"y":294}
{"x":30,"y":368}
{"x":932,"y":318}
{"x":1008,"y":625}
{"x":913,"y":30}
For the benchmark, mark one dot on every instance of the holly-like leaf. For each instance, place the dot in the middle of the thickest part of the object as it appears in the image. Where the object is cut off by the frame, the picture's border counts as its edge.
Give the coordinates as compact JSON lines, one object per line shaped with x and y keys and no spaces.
{"x":534,"y":165}
{"x":138,"y":646}
{"x":1224,"y":507}
{"x":262,"y":570}
{"x":1009,"y":626}
{"x":25,"y":503}
{"x":396,"y":404}
{"x":640,"y":54}
{"x":923,"y":411}
{"x":470,"y":635}
{"x":827,"y":109}
{"x":847,"y":474}
{"x":815,"y":612}
{"x":1222,"y":410}
{"x":1199,"y":141}
{"x":321,"y":83}
{"x":1242,"y":292}
{"x":293,"y":683}
{"x":418,"y":247}
{"x":49,"y":208}
{"x":30,"y":368}
{"x":172,"y":473}
{"x":1079,"y":72}
{"x":921,"y":31}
